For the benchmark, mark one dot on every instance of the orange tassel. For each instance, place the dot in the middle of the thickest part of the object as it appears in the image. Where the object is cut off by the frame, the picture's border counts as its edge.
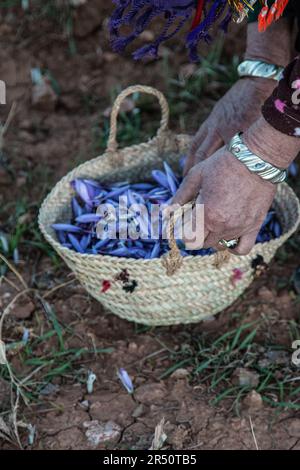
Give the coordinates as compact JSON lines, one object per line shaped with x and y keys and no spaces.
{"x":282,"y":4}
{"x":262,"y":19}
{"x":272,"y":13}
{"x":268,"y":15}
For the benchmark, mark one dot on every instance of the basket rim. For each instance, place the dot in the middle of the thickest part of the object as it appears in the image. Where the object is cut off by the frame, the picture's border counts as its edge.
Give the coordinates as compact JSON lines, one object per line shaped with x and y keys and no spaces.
{"x":154,"y":141}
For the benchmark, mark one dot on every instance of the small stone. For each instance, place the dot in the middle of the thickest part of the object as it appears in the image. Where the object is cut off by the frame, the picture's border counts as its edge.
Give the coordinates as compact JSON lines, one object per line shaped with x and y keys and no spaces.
{"x":132,"y":347}
{"x":49,"y":389}
{"x":180,"y":374}
{"x":98,"y":433}
{"x":272,"y":357}
{"x":138,"y":411}
{"x":253,"y":401}
{"x":24,"y":311}
{"x":245,"y":378}
{"x":150,"y":393}
{"x":85,"y":405}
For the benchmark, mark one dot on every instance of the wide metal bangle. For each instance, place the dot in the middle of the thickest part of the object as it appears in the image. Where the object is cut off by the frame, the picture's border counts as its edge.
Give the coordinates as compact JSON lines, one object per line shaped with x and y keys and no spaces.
{"x":254,"y":163}
{"x":258,"y":68}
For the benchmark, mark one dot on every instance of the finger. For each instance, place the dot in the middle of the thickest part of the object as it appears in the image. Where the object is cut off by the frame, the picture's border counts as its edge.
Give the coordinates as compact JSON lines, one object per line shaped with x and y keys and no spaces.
{"x":198,"y":139}
{"x":246,"y":243}
{"x":212,"y":241}
{"x":195,"y":231}
{"x":189,"y":187}
{"x":209,"y":146}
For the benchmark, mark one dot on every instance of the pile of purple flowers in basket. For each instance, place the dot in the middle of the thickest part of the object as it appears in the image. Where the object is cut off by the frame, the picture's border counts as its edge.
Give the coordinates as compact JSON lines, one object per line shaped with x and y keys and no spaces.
{"x":80,"y":234}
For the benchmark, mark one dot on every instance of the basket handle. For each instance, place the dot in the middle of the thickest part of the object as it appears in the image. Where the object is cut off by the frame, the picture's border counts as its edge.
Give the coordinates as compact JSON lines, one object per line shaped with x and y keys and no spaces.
{"x":173,"y":260}
{"x":112,"y":144}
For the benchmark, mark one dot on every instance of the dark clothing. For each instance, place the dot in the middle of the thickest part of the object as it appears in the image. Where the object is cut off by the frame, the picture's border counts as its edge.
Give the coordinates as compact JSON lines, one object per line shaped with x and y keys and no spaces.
{"x":282,"y":109}
{"x":293,"y":11}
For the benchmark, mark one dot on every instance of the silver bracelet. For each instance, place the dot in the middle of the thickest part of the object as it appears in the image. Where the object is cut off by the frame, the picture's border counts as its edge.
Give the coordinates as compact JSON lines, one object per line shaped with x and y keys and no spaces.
{"x":254,"y":163}
{"x":258,"y":68}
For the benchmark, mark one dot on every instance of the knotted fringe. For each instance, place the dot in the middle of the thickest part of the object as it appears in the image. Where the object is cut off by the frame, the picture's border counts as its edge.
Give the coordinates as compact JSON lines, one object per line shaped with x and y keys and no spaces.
{"x":138,"y":14}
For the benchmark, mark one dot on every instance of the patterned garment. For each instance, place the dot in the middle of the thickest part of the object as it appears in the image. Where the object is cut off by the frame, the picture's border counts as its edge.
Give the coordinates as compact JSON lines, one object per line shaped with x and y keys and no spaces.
{"x":138,"y":14}
{"x":282,"y":109}
{"x":201,"y":15}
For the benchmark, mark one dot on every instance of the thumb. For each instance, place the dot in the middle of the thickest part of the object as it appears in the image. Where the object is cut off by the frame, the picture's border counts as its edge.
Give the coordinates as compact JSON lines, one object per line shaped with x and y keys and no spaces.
{"x":189,"y":188}
{"x":196,"y":143}
{"x":209,"y":146}
{"x":246,"y":243}
{"x":199,"y":152}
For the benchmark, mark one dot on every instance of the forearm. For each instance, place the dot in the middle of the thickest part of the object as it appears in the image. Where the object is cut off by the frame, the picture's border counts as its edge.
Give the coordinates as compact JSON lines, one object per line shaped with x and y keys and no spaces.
{"x":273,"y":137}
{"x":273,"y":46}
{"x":271,"y":145}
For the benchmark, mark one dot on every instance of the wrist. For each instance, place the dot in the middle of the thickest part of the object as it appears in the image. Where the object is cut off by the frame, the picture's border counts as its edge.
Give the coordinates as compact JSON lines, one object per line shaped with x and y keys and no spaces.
{"x":271,"y":145}
{"x":263,"y":85}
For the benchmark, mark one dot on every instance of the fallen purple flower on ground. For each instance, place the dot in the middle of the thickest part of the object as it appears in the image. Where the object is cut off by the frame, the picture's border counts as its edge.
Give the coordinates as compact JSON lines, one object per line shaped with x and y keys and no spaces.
{"x":126,"y":380}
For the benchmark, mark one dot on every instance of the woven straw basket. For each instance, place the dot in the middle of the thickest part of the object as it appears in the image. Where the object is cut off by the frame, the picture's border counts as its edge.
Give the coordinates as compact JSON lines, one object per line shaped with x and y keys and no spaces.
{"x":202,"y":286}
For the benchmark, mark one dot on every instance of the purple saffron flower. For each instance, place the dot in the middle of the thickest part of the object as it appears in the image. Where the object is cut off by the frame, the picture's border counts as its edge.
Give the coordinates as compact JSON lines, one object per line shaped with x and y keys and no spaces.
{"x":126,"y":380}
{"x":171,"y":178}
{"x":155,"y":251}
{"x":26,"y":335}
{"x":88,"y":218}
{"x":76,"y":207}
{"x":81,"y":234}
{"x":293,"y":169}
{"x":161,"y":178}
{"x":82,"y":191}
{"x":67,"y":228}
{"x":75,"y":243}
{"x":85,"y":241}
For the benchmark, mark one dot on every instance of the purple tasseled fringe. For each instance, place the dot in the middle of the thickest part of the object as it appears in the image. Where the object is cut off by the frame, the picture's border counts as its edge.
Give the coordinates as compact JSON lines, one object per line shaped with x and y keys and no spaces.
{"x":139,"y":13}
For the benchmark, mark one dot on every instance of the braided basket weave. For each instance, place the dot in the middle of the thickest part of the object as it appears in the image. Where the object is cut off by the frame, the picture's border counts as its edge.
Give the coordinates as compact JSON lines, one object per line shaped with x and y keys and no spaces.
{"x":202,"y":286}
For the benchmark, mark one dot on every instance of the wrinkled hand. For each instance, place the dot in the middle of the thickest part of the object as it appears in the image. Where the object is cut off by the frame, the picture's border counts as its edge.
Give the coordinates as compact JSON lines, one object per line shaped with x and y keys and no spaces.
{"x":235,"y":200}
{"x":235,"y":112}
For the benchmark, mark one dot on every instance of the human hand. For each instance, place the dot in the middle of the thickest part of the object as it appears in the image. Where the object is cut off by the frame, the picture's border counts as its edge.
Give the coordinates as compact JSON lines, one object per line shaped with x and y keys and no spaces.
{"x":235,"y":112}
{"x":235,"y":200}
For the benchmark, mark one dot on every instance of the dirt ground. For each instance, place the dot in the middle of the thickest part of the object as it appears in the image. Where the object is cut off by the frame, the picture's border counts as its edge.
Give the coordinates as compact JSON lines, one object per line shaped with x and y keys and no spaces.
{"x":44,"y":140}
